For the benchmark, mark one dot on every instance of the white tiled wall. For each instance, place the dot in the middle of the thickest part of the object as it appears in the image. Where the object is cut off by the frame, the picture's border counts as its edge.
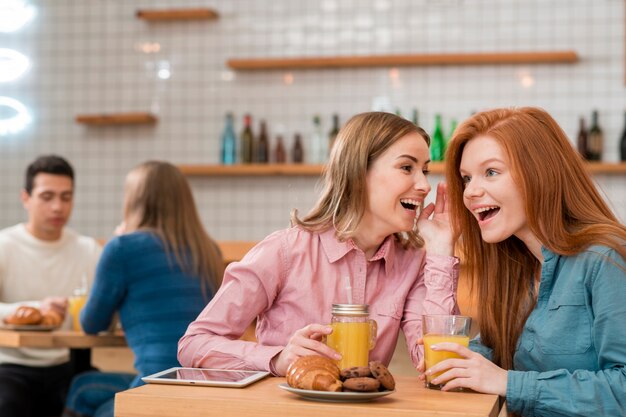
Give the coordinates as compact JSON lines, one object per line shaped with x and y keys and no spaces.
{"x":87,"y":57}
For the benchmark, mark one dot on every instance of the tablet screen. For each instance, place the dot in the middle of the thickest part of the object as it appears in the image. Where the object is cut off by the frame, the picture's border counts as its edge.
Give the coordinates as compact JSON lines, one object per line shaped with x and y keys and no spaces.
{"x":208,"y":377}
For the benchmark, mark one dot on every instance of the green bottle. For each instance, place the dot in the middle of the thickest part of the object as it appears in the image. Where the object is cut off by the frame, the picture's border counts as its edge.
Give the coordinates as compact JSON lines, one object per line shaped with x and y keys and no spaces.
{"x":437,"y":145}
{"x":453,"y":124}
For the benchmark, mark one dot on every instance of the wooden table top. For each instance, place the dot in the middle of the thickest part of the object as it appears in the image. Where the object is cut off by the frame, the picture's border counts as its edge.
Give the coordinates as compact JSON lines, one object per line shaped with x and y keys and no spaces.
{"x":265,"y":399}
{"x":59,"y":338}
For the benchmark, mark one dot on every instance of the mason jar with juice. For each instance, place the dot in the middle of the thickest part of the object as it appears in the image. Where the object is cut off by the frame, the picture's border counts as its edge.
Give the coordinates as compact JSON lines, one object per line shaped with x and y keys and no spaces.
{"x":443,"y":328}
{"x":354,"y":334}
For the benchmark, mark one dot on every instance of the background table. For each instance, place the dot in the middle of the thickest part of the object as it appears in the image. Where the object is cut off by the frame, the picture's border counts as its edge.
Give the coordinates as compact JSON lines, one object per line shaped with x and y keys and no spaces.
{"x":79,"y":343}
{"x":265,"y":399}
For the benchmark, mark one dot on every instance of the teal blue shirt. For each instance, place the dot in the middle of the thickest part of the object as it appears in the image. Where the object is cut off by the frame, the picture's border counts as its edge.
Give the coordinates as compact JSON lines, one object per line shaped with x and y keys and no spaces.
{"x":570,"y":359}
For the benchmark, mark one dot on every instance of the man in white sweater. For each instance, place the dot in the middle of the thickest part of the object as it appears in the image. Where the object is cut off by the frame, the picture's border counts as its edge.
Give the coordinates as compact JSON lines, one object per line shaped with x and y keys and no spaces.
{"x":41,"y":263}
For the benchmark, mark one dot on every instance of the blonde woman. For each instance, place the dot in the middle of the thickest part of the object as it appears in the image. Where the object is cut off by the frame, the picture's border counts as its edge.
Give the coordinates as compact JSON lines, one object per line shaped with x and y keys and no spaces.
{"x":548,"y":260}
{"x":158,"y":275}
{"x":362,"y":229}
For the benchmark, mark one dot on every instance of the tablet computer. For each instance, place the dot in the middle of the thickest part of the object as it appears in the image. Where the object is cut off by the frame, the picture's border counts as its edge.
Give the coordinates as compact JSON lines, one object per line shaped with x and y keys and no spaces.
{"x":206,"y":377}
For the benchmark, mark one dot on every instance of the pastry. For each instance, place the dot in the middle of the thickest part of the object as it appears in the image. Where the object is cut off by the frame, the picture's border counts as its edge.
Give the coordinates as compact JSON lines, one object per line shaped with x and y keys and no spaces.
{"x":355,"y":372}
{"x":51,"y":318}
{"x":24,"y":315}
{"x":314,"y":373}
{"x":382,"y":374}
{"x":361,"y":384}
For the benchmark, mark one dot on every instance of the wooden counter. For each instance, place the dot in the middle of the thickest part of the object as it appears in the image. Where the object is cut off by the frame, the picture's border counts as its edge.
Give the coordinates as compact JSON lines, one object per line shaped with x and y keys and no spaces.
{"x":265,"y":399}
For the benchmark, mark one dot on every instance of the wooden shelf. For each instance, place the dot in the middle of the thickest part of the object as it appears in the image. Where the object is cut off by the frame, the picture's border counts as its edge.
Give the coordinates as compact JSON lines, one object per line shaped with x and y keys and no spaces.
{"x":607,"y":168}
{"x":437,"y":168}
{"x":176,"y":14}
{"x":251,"y":169}
{"x":116,"y":119}
{"x":494,"y":58}
{"x":264,"y":170}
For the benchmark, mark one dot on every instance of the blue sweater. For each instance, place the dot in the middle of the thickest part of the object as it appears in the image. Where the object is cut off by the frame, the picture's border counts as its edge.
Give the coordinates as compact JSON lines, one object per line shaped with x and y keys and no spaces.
{"x":155,"y":299}
{"x":571,"y":355}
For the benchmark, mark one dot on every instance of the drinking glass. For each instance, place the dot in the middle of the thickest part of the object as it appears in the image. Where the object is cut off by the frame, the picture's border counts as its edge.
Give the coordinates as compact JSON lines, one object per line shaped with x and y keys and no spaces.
{"x":439,"y":328}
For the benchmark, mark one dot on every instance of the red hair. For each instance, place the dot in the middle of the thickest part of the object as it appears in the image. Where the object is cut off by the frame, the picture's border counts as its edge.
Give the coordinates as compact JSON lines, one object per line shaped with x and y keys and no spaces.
{"x":564,"y":211}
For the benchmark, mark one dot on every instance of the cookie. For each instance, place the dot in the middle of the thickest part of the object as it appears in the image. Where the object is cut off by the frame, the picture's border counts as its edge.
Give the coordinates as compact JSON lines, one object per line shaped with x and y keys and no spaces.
{"x":382,"y":374}
{"x":362,"y":384}
{"x":355,"y":372}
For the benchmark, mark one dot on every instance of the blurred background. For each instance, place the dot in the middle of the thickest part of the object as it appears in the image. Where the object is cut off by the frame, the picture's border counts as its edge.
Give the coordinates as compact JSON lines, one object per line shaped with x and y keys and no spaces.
{"x":64,"y":59}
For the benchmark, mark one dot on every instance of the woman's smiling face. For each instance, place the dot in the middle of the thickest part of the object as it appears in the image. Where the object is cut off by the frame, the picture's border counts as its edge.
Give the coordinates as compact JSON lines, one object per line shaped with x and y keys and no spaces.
{"x":396,"y":185}
{"x":490,"y":193}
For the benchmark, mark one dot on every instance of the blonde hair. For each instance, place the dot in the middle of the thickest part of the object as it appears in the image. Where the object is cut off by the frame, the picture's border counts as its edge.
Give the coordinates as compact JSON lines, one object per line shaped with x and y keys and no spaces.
{"x":158,"y":199}
{"x":564,"y":210}
{"x":343,"y":200}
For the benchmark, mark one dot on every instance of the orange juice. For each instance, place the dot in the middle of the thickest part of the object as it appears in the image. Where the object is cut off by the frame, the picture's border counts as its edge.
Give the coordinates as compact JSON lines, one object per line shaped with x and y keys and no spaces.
{"x":352,"y":341}
{"x":76,"y":304}
{"x":432,"y":357}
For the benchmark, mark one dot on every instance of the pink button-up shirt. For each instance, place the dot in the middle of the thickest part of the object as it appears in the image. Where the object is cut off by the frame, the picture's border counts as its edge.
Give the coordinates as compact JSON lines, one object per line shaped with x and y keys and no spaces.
{"x":292,"y":278}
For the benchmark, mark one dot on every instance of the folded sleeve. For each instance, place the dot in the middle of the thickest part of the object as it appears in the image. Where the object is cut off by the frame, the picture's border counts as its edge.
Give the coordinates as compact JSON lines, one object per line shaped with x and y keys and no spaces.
{"x":434,"y":292}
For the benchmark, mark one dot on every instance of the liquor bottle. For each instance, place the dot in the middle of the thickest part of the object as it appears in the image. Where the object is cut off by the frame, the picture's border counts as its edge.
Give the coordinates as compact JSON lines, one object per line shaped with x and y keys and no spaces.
{"x":280,"y":156}
{"x":333,"y":132}
{"x":622,"y":143}
{"x":582,"y":139}
{"x":453,"y":124}
{"x":596,"y":140}
{"x":247,"y":141}
{"x":297,"y":151}
{"x":262,"y":145}
{"x":415,"y":117}
{"x":228,"y":142}
{"x":318,"y":149}
{"x":437,"y":143}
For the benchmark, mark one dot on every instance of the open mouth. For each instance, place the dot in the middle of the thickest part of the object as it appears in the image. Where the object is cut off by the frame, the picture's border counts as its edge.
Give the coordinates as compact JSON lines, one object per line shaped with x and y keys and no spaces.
{"x":485,"y":213}
{"x":409,"y":204}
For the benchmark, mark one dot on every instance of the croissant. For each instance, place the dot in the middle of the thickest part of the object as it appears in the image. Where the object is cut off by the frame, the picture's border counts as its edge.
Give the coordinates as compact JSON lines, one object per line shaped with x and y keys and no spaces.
{"x":52,"y":318}
{"x":314,"y":373}
{"x":24,"y":315}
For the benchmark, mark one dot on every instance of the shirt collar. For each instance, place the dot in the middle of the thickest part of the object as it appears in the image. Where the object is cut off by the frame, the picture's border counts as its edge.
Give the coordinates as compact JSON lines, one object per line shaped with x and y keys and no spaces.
{"x":336,"y":250}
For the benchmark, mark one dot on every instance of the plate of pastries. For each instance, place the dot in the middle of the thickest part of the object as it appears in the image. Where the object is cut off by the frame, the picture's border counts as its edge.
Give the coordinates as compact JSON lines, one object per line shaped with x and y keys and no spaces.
{"x":31,"y":318}
{"x":318,"y":378}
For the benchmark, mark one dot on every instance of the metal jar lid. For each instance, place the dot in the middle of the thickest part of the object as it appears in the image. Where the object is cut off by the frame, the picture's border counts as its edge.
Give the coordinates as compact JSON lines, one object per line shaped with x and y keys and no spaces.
{"x":351,"y":309}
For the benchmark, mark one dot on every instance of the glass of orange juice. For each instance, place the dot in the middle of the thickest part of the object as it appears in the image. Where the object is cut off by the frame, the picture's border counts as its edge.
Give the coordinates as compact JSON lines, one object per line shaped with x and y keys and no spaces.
{"x":75,"y":304}
{"x":354,"y":334}
{"x":439,"y":328}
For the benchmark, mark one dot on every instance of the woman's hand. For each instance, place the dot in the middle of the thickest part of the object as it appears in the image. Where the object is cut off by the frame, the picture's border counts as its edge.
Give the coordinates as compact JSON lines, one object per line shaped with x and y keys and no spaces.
{"x":473,"y":371}
{"x":304,"y":342}
{"x":437,"y":232}
{"x":57,"y":304}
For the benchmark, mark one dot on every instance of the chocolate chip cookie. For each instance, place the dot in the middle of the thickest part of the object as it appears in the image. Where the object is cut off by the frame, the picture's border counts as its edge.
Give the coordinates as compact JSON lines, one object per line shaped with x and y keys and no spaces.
{"x":361,"y":384}
{"x":382,"y":374}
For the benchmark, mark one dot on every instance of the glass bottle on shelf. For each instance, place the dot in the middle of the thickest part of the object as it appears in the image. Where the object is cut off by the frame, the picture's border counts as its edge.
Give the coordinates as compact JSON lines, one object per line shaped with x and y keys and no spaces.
{"x":262,"y":145}
{"x":453,"y":124}
{"x":437,"y":143}
{"x":596,"y":139}
{"x":582,"y":139}
{"x":228,"y":142}
{"x":318,"y":149}
{"x":297,"y":151}
{"x":333,"y":132}
{"x":415,"y":117}
{"x":622,"y":143}
{"x":280,"y":155}
{"x":247,"y":141}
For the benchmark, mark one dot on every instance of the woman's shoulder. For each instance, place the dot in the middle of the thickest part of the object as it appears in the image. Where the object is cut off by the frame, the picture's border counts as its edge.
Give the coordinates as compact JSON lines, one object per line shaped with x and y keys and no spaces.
{"x":132,"y":241}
